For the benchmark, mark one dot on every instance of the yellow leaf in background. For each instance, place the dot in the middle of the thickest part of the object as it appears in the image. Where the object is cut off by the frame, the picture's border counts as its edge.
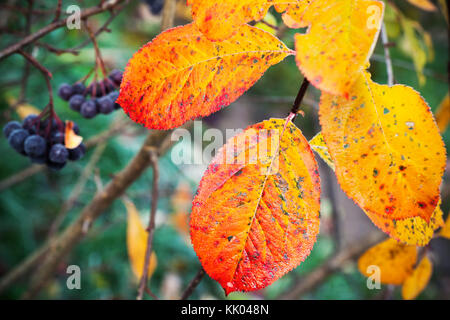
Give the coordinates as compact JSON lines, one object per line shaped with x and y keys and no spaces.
{"x":442,"y":113}
{"x":395,"y":260}
{"x":270,"y":19}
{"x":25,"y":109}
{"x":417,"y":44}
{"x":318,"y":145}
{"x":445,"y":231}
{"x":137,"y":242}
{"x":423,"y":4}
{"x":71,"y":139}
{"x":418,"y":280}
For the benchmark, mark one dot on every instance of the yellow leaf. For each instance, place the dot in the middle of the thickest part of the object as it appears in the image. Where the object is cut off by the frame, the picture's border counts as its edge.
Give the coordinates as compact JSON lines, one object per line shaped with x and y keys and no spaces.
{"x":396,"y":261}
{"x":443,"y":113}
{"x":137,"y":242}
{"x":339,"y":41}
{"x":25,"y":109}
{"x":418,"y":280}
{"x":423,"y":4}
{"x":445,"y":231}
{"x":386,"y":147}
{"x":412,"y":231}
{"x":318,"y":145}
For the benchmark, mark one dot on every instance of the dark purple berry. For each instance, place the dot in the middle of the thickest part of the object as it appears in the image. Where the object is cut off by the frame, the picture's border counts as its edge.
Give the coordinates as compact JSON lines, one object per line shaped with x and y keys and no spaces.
{"x":65,"y":91}
{"x":35,"y":146}
{"x":17,"y":139}
{"x":10,"y":127}
{"x":58,"y":153}
{"x":88,"y":109}
{"x":57,"y":137}
{"x":105,"y":105}
{"x":116,"y":76}
{"x":79,"y":88}
{"x":30,"y":123}
{"x":76,"y":101}
{"x":77,"y":153}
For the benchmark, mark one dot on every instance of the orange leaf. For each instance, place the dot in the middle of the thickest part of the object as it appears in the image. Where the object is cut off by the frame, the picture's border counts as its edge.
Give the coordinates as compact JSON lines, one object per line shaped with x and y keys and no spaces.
{"x":71,"y":139}
{"x":338,"y":43}
{"x":253,"y":221}
{"x":137,"y":242}
{"x":396,"y":261}
{"x":181,"y":75}
{"x":418,"y":280}
{"x":219,"y":20}
{"x":426,"y":5}
{"x":445,"y":231}
{"x":386,"y":147}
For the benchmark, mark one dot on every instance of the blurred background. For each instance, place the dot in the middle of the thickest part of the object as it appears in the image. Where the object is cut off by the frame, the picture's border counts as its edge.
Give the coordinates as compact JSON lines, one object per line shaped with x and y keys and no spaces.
{"x":32,"y":202}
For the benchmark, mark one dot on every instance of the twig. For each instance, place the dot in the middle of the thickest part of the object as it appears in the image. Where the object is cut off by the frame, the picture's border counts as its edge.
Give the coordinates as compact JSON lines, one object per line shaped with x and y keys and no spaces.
{"x":193,"y":284}
{"x":58,"y":11}
{"x":300,"y":96}
{"x":320,"y":274}
{"x":151,"y":224}
{"x":385,"y":40}
{"x":47,"y":74}
{"x":55,"y":25}
{"x":77,"y":190}
{"x":101,"y":201}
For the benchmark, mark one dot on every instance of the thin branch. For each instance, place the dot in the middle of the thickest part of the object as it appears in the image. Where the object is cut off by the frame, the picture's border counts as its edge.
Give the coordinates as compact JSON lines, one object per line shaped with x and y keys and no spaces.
{"x":320,"y":274}
{"x":387,"y":55}
{"x":300,"y":96}
{"x":193,"y":284}
{"x":151,"y":224}
{"x":56,"y":25}
{"x":77,"y":190}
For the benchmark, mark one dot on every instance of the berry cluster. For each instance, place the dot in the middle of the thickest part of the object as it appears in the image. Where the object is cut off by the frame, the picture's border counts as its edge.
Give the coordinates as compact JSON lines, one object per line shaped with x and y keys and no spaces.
{"x":42,"y":141}
{"x":103,"y":95}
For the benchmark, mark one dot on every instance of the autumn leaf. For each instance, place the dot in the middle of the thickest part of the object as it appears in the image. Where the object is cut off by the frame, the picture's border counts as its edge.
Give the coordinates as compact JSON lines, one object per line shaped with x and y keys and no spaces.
{"x":418,"y":280}
{"x":181,"y":75}
{"x":317,"y":143}
{"x":219,"y":20}
{"x":336,"y":47}
{"x":412,"y":231}
{"x":386,"y":147}
{"x":426,"y":5}
{"x":253,"y":221}
{"x":396,"y":261}
{"x":445,"y":231}
{"x":137,"y":242}
{"x":71,"y":139}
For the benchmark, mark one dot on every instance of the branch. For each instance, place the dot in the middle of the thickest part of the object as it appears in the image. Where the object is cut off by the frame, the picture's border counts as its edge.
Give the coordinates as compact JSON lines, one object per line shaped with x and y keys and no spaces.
{"x":385,"y":40}
{"x":320,"y":274}
{"x":151,"y":225}
{"x":73,"y":234}
{"x":300,"y":96}
{"x":193,"y":284}
{"x":56,"y":25}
